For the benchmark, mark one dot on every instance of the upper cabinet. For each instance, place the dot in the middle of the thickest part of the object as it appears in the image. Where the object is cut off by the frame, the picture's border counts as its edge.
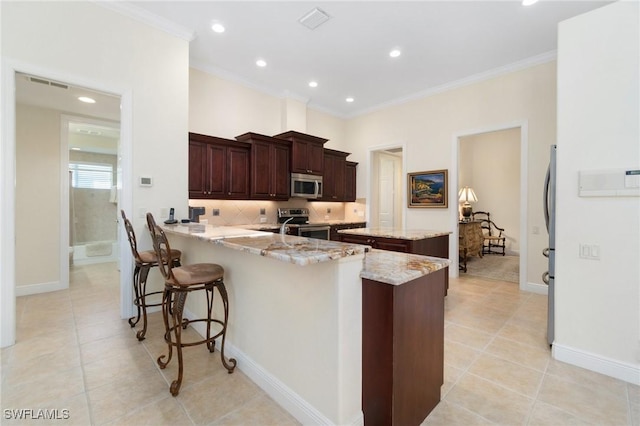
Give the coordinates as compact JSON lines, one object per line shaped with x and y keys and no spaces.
{"x":218,"y":168}
{"x":307,"y":152}
{"x":335,"y":163}
{"x":350,"y":181}
{"x":269,"y":166}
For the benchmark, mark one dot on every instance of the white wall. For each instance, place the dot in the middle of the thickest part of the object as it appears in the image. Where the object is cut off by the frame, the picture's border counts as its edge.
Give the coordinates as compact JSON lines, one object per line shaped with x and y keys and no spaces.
{"x":427,"y":126}
{"x":490,"y":164}
{"x":597,"y":301}
{"x":95,"y":47}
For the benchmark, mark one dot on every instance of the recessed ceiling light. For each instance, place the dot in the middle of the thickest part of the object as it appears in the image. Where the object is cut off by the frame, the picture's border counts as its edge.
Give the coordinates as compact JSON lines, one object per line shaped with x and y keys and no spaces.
{"x":217,"y":27}
{"x":261,"y":63}
{"x":349,"y":99}
{"x":395,"y":53}
{"x":528,"y":2}
{"x":86,"y":100}
{"x":313,"y":84}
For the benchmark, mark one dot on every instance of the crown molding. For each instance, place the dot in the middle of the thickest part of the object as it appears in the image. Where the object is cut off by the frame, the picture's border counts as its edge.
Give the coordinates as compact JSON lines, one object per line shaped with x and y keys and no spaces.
{"x":472,"y":79}
{"x":146,"y":17}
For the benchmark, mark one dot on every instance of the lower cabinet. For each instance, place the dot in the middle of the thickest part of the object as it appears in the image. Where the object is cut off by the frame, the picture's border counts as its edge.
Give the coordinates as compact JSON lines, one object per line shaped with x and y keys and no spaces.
{"x":436,"y":246}
{"x":335,"y":236}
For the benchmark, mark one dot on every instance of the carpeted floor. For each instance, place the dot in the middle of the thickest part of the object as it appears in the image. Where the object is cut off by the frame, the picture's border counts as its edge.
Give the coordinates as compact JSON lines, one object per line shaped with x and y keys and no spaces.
{"x":497,"y":267}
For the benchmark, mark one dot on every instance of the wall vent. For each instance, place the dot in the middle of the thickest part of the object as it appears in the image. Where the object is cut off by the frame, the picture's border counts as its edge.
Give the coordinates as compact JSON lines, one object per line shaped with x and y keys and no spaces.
{"x":47,"y":82}
{"x":314,"y":19}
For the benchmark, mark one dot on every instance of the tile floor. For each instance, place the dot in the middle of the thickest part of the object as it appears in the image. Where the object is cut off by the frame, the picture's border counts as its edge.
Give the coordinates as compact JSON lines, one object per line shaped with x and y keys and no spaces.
{"x":74,"y":353}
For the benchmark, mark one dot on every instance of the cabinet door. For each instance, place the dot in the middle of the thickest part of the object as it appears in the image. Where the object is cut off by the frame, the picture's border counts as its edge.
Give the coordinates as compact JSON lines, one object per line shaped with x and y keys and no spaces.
{"x":329,"y":179}
{"x":238,"y":172}
{"x":299,"y":155}
{"x":355,"y":239}
{"x":281,"y":180}
{"x":350,"y":181}
{"x":217,"y":176}
{"x":339,"y":169}
{"x":197,"y":170}
{"x":315,"y":158}
{"x":260,"y":170}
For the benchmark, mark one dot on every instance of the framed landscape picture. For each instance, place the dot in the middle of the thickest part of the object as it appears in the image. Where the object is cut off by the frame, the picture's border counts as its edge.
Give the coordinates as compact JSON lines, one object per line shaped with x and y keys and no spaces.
{"x":428,"y":189}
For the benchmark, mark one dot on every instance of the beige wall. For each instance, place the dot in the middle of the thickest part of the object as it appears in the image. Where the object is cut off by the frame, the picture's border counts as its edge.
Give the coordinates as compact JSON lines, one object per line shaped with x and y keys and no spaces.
{"x":428,"y":127}
{"x":490,"y":164}
{"x":98,"y":48}
{"x":37,"y":195}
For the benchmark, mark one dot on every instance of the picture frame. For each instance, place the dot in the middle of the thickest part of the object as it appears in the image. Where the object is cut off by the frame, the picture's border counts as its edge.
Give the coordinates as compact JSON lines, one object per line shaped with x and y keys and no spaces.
{"x":428,"y":189}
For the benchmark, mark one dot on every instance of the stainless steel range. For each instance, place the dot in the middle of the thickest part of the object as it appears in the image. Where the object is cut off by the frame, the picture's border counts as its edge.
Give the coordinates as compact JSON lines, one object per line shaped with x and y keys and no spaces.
{"x":297,"y":221}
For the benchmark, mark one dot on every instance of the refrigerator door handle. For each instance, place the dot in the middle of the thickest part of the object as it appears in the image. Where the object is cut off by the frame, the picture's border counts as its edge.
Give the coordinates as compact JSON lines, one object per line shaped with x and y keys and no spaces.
{"x":547,"y":180}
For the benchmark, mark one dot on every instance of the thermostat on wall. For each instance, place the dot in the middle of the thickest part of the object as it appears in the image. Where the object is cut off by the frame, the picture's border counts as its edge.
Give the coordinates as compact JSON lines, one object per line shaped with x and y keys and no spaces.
{"x":146,"y":181}
{"x":609,"y":183}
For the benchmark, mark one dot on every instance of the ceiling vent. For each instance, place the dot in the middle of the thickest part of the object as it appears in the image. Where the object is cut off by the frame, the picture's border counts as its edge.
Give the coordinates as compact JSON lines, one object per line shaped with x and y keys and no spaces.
{"x":47,"y":82}
{"x":314,"y":19}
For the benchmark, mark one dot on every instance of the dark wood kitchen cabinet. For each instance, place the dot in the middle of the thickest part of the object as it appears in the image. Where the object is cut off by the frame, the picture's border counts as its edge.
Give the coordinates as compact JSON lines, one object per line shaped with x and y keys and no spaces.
{"x":335,"y":236}
{"x":307,"y":152}
{"x":269,"y":166}
{"x":434,"y":246}
{"x":335,"y":167}
{"x":350,"y":181}
{"x":218,"y":168}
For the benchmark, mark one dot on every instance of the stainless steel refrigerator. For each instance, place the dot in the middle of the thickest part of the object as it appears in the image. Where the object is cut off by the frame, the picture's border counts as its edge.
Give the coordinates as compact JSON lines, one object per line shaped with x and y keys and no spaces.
{"x":549,"y":277}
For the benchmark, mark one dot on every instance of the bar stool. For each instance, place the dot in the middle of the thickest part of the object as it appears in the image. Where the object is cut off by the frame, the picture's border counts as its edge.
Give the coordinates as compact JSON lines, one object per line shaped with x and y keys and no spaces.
{"x":144,"y":261}
{"x":179,"y":282}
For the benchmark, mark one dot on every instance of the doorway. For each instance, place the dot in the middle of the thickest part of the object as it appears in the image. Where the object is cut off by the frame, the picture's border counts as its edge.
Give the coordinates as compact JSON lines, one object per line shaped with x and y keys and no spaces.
{"x":386,"y":187}
{"x":493,"y":161}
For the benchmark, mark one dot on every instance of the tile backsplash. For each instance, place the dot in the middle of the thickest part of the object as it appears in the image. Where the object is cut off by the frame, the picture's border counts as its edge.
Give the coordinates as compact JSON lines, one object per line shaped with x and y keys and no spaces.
{"x":243,"y":212}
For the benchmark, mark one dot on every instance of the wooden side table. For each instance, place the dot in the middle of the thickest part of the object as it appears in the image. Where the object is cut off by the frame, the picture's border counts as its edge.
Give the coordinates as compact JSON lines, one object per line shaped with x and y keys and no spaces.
{"x":470,"y":241}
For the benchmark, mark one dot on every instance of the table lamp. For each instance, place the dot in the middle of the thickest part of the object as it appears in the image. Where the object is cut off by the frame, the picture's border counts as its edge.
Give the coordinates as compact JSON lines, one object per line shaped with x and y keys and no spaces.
{"x":466,"y":195}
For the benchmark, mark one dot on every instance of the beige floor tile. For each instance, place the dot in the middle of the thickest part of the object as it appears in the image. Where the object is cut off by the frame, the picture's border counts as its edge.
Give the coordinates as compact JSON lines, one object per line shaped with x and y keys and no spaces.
{"x":525,"y":335}
{"x":211,"y":399}
{"x":467,"y":336}
{"x":587,"y":403}
{"x":451,"y":376}
{"x":516,"y":377}
{"x":545,"y":414}
{"x":101,"y":330}
{"x":587,"y":378}
{"x":458,"y":355}
{"x":167,"y":411}
{"x":35,"y":370}
{"x":112,"y":400}
{"x":489,"y":400}
{"x":118,"y":366}
{"x":519,"y":353}
{"x":199,"y":364}
{"x":59,"y":385}
{"x":261,"y":410}
{"x":107,"y":347}
{"x":47,"y":343}
{"x":447,"y":414}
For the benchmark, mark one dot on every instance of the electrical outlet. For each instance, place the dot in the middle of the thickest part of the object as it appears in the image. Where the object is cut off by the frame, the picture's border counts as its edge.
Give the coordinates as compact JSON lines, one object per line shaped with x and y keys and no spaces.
{"x":263,"y":220}
{"x":328,"y":209}
{"x":535,"y":230}
{"x":263,"y":211}
{"x":589,"y":251}
{"x":164,"y":212}
{"x":215,"y":212}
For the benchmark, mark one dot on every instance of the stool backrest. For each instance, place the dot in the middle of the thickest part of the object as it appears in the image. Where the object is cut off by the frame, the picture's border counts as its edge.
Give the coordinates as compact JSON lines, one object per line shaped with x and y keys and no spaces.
{"x":131,"y":235}
{"x":162,"y":248}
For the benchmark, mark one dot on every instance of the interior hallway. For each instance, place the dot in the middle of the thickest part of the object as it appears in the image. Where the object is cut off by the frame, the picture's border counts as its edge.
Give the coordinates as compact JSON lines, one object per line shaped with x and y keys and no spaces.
{"x":73,"y":352}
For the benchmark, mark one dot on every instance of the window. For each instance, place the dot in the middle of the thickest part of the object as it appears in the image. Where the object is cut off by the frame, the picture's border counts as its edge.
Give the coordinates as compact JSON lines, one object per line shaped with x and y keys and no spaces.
{"x":91,"y":175}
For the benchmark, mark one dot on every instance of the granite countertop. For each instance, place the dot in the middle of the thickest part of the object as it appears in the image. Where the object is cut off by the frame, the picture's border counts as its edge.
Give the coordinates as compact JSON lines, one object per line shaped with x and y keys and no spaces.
{"x":270,"y":226}
{"x":403,"y":234}
{"x":396,"y":268}
{"x":286,"y":248}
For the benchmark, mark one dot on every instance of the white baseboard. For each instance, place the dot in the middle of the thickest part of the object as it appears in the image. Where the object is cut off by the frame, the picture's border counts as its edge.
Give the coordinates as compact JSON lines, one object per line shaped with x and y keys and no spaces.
{"x":536,"y":288}
{"x":297,"y":406}
{"x":26,"y":290}
{"x":598,"y":363}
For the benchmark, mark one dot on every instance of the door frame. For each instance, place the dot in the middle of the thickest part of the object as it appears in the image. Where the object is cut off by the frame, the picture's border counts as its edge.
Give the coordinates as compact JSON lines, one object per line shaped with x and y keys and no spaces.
{"x":8,"y":71}
{"x":523,"y":125}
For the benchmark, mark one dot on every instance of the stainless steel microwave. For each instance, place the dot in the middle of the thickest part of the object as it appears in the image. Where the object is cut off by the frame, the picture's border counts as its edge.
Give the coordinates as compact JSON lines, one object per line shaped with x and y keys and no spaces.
{"x":306,"y":186}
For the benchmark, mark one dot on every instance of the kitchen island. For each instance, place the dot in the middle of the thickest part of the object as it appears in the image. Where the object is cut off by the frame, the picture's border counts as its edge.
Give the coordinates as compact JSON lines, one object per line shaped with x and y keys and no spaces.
{"x":296,"y":312}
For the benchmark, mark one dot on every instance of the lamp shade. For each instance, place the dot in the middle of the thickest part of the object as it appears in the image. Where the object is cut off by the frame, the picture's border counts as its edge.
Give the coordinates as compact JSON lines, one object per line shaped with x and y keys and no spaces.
{"x":466,"y":195}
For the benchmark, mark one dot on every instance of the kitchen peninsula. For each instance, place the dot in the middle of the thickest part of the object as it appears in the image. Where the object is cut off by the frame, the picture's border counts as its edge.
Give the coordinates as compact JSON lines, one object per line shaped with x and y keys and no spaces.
{"x":296,"y":312}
